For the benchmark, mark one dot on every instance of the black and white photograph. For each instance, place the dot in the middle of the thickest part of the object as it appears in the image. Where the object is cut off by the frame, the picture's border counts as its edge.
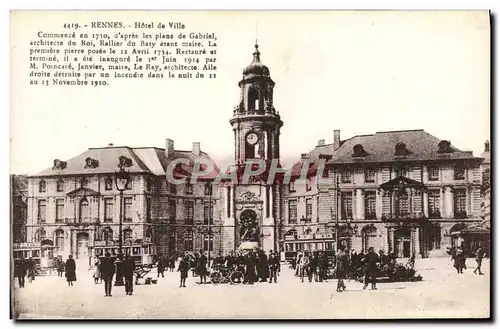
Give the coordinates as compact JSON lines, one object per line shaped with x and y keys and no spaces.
{"x":250,"y":165}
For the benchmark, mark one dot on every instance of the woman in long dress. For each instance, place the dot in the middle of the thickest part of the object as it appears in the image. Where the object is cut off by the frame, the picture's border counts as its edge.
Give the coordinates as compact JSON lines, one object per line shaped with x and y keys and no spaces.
{"x":70,"y":270}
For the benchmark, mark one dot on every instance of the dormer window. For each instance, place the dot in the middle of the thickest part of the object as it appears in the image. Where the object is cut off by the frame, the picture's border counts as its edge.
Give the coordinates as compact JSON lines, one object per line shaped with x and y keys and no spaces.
{"x":445,"y":147}
{"x":42,"y":186}
{"x":292,"y":186}
{"x":401,"y":150}
{"x":346,"y":176}
{"x":359,"y":151}
{"x":308,"y":184}
{"x":91,"y":163}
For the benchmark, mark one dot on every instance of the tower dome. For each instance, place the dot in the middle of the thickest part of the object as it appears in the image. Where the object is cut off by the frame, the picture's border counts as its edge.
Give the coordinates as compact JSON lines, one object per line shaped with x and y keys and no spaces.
{"x":256,"y":67}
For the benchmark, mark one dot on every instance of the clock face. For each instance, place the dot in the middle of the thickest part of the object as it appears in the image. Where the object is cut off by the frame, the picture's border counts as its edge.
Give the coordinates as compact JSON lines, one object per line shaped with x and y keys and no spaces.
{"x":252,"y":138}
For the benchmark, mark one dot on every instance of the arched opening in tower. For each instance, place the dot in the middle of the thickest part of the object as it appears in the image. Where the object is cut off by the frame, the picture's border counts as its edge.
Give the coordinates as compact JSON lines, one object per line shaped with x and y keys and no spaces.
{"x":253,"y":99}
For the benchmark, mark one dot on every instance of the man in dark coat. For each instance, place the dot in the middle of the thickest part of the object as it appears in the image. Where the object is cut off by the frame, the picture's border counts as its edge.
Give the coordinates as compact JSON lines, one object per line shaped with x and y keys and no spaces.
{"x":341,"y":268}
{"x":184,"y":269}
{"x":20,"y":271}
{"x":161,"y":266}
{"x":107,"y":273}
{"x":370,"y":262}
{"x":201,"y":267}
{"x":251,"y":272}
{"x":70,"y":270}
{"x":273,"y":267}
{"x":264,"y":266}
{"x":128,"y":267}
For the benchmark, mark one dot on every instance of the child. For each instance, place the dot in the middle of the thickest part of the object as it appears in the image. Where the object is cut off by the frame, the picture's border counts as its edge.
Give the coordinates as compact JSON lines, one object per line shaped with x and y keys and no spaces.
{"x":184,"y":269}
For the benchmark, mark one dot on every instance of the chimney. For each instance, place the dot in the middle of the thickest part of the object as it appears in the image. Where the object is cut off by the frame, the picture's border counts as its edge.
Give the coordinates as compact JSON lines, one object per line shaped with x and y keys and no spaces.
{"x":110,"y":145}
{"x":321,"y":142}
{"x":336,"y":139}
{"x":196,"y":148}
{"x":169,"y":148}
{"x":487,"y":146}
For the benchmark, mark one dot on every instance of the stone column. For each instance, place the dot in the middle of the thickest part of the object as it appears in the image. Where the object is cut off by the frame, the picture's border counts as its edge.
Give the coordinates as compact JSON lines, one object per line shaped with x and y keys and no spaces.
{"x":425,"y":204}
{"x":360,"y":204}
{"x":418,"y":249}
{"x":264,"y":205}
{"x":449,"y":202}
{"x":271,"y":201}
{"x":378,"y":204}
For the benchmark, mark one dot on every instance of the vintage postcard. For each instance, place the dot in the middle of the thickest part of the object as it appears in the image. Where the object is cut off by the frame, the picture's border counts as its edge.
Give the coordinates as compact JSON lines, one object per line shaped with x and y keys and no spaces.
{"x":250,"y":164}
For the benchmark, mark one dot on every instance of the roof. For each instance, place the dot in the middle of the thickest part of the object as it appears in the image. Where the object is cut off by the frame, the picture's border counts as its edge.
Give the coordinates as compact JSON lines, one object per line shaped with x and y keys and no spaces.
{"x":380,"y":147}
{"x":146,"y":160}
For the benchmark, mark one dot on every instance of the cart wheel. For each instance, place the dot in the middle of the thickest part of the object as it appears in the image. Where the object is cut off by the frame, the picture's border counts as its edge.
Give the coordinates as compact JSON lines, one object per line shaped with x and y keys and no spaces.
{"x":236,"y":277}
{"x":216,"y":277}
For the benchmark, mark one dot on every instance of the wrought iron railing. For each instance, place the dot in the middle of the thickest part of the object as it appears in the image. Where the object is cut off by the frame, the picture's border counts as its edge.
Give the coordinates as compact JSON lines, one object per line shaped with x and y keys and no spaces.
{"x":404,"y":216}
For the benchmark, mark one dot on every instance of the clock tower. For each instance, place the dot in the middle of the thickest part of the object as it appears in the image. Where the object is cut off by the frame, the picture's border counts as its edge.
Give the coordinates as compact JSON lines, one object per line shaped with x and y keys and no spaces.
{"x":255,"y":209}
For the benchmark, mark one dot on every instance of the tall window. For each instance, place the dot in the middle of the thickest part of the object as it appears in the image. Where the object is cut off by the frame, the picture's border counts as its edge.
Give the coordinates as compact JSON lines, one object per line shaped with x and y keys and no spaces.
{"x":208,"y":189}
{"x":42,"y":211}
{"x":59,"y":210}
{"x":433,"y":204}
{"x":188,"y":241}
{"x":291,"y":186}
{"x":127,"y":209}
{"x":148,"y":210}
{"x":370,"y":176}
{"x":188,"y":211}
{"x":127,"y":234}
{"x":369,"y":237}
{"x":60,"y":186}
{"x":108,"y":184}
{"x":42,"y":186}
{"x":308,"y":184}
{"x":84,"y":210}
{"x":346,"y":176}
{"x":208,"y":241}
{"x":107,"y":234}
{"x":346,"y":200}
{"x":401,"y":172}
{"x":370,"y":205}
{"x":59,"y":237}
{"x":292,"y":211}
{"x":172,"y":205}
{"x":460,"y":204}
{"x":207,"y":213}
{"x":108,"y":209}
{"x":309,"y":209}
{"x":402,"y":203}
{"x":459,"y":173}
{"x":433,"y":173}
{"x":40,"y":235}
{"x":189,"y":189}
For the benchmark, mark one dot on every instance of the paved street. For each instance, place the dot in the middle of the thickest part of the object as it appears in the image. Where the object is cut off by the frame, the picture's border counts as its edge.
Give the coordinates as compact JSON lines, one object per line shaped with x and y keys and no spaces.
{"x":443,"y":293}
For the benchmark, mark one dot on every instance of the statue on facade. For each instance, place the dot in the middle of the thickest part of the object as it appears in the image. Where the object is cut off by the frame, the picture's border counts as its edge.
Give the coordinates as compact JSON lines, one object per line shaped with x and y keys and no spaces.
{"x":249,"y":227}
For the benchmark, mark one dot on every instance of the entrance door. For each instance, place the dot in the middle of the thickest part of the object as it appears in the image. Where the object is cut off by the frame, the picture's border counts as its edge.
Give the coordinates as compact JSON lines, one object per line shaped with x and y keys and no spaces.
{"x":82,"y":245}
{"x":402,"y":243}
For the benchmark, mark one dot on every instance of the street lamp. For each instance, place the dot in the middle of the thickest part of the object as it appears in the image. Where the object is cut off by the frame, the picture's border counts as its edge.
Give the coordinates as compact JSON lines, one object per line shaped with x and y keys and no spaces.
{"x":122,"y":179}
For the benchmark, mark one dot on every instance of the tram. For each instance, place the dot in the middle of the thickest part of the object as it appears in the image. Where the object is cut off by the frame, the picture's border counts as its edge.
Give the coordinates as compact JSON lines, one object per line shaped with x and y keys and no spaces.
{"x":41,"y":253}
{"x":143,"y":252}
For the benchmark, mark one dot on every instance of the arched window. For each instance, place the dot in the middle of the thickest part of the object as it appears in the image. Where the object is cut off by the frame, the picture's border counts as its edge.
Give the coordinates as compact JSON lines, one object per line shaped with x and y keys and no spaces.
{"x":253,"y":99}
{"x":40,"y":235}
{"x":369,"y":237}
{"x":127,"y":234}
{"x":107,"y":234}
{"x":59,"y":239}
{"x":84,"y":210}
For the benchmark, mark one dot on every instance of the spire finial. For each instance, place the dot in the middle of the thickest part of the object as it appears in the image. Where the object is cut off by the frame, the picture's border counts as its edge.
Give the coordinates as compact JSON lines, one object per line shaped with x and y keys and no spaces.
{"x":256,"y":54}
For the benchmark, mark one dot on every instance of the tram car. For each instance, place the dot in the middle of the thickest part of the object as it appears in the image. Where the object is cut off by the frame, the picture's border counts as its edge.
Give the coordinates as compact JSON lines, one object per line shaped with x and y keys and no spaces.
{"x":142,"y":252}
{"x":42,"y":254}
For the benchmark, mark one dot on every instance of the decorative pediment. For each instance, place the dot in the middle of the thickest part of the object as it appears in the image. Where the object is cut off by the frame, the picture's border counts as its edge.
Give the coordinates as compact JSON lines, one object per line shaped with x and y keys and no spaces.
{"x":401,"y":182}
{"x":248,"y":197}
{"x":83,"y":191}
{"x":124,"y":162}
{"x":59,"y":165}
{"x":91,"y":163}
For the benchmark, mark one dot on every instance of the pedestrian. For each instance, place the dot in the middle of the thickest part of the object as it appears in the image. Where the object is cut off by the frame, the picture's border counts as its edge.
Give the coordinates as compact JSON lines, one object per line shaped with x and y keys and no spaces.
{"x":370,"y":263}
{"x":128,"y":267}
{"x":97,"y":272}
{"x":479,"y":260}
{"x":201,"y":267}
{"x":273,"y":267}
{"x":184,"y":269}
{"x":264,"y":266}
{"x":30,"y":267}
{"x":459,"y":260}
{"x":107,"y":270}
{"x":20,"y":271}
{"x":70,"y":269}
{"x":171,"y":263}
{"x":60,"y":267}
{"x":304,"y":266}
{"x":161,"y":267}
{"x":341,"y":268}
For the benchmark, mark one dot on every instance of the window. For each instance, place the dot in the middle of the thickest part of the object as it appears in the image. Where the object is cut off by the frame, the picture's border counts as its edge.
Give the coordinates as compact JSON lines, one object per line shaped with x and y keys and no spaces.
{"x":42,"y":207}
{"x":370,"y":205}
{"x":433,"y":204}
{"x":148,"y":210}
{"x":401,"y":172}
{"x":84,"y":210}
{"x":402,"y":204}
{"x":108,"y":209}
{"x":60,"y":186}
{"x":208,"y":189}
{"x":127,"y":209}
{"x":460,"y":204}
{"x":59,"y":237}
{"x":189,"y":189}
{"x":346,"y":176}
{"x":127,"y":234}
{"x":84,"y":182}
{"x":309,"y":209}
{"x":433,"y":173}
{"x":59,"y":210}
{"x":188,"y":241}
{"x":172,"y":205}
{"x":308,"y":184}
{"x":128,"y":186}
{"x":188,"y":211}
{"x":42,"y":186}
{"x":107,"y":234}
{"x":369,"y":176}
{"x":208,"y":241}
{"x":459,"y":173}
{"x":292,"y":211}
{"x":346,"y":204}
{"x":369,"y":237}
{"x":207,"y":213}
{"x":108,"y":184}
{"x":291,"y":186}
{"x":40,"y":235}
{"x":148,"y":184}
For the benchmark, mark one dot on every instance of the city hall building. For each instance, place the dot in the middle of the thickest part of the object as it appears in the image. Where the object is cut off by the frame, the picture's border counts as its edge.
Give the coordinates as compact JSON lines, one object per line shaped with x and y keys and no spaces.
{"x":400,"y":191}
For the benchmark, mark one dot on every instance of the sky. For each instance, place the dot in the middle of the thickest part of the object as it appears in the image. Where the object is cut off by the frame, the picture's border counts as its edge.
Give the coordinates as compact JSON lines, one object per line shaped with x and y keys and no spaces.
{"x":360,"y":72}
